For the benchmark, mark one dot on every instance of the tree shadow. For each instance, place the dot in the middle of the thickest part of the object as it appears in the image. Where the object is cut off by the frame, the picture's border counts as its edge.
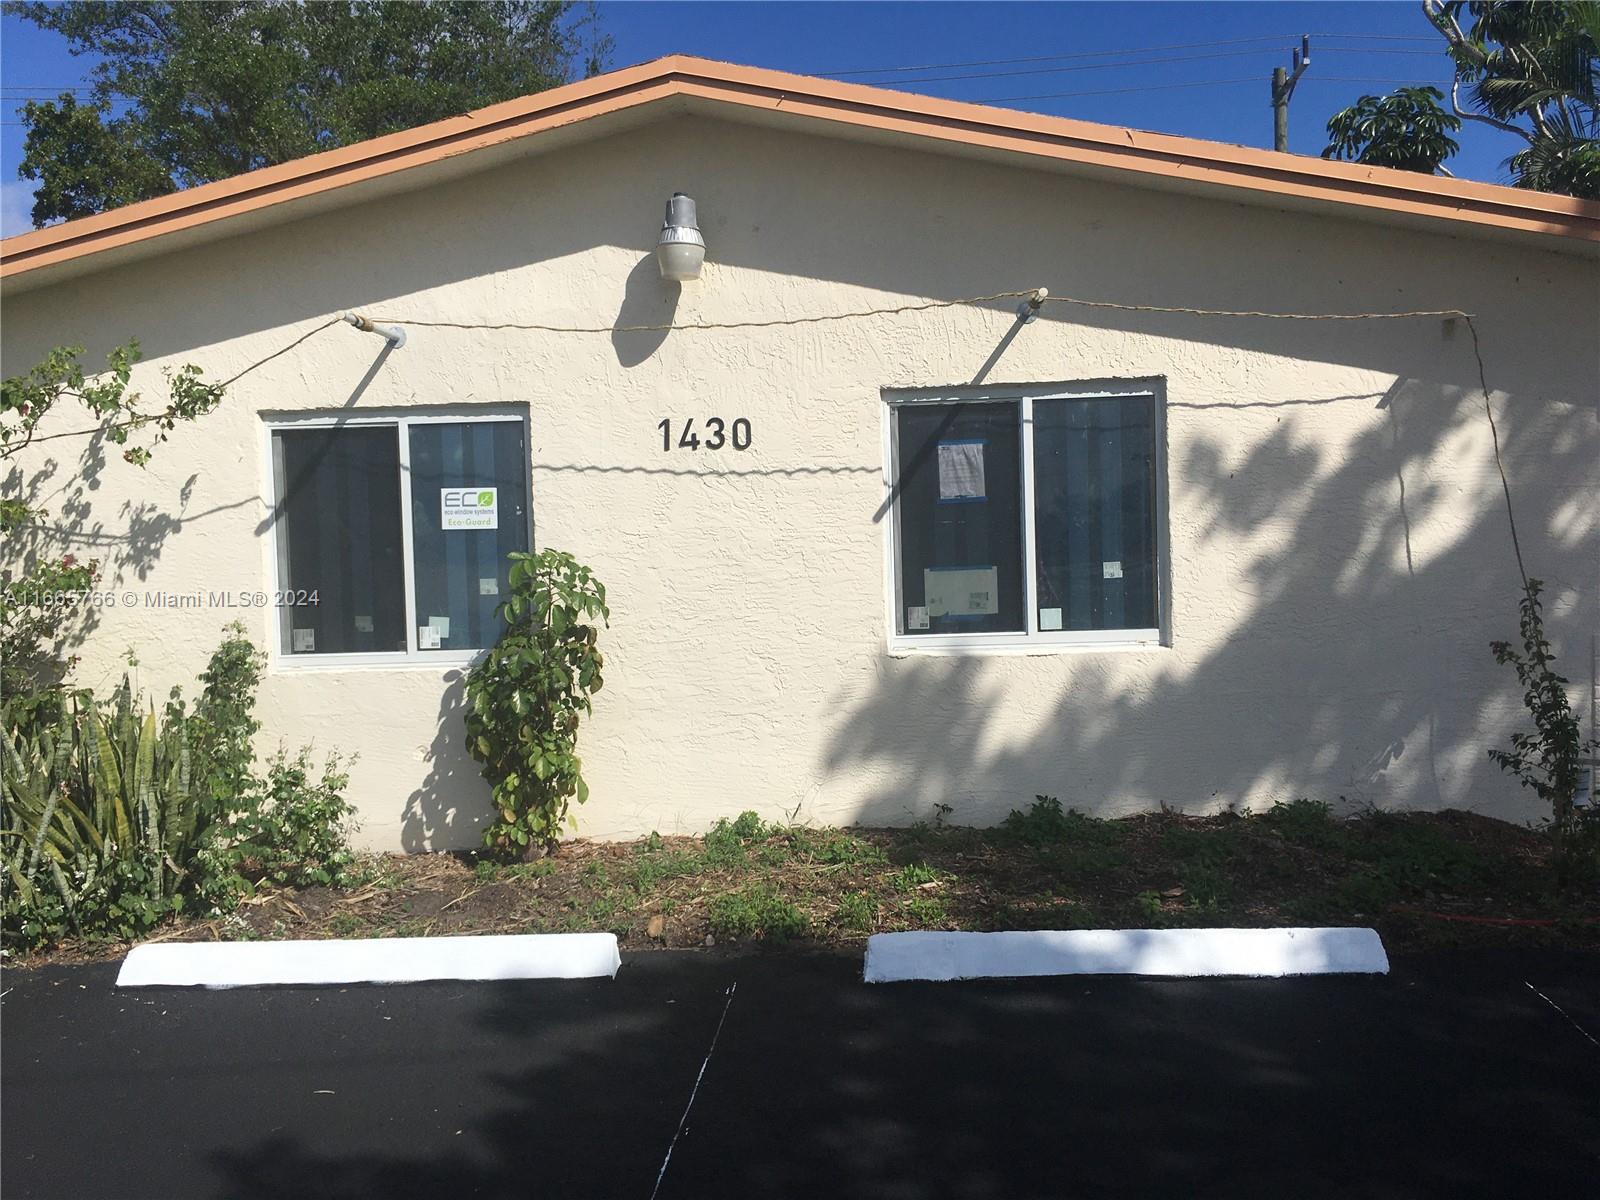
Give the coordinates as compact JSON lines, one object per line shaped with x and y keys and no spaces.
{"x":1347,"y":657}
{"x":819,"y":1084}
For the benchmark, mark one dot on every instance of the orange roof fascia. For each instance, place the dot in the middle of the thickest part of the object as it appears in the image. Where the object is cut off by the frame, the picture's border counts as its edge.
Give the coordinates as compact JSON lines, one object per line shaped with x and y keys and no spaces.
{"x":1155,"y":155}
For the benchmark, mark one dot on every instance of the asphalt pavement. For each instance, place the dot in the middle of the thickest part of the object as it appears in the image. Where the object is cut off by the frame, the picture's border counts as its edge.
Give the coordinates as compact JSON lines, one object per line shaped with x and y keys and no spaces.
{"x":1457,"y":1075}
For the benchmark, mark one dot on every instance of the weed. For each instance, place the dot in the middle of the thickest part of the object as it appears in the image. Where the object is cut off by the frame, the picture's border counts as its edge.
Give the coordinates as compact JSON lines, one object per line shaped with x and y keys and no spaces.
{"x":726,"y":841}
{"x":1208,"y":885}
{"x":834,"y":847}
{"x":345,"y":925}
{"x":1045,"y":824}
{"x":856,"y":912}
{"x":1148,"y":904}
{"x":1417,"y":858}
{"x":912,"y":875}
{"x":926,"y":911}
{"x":756,"y":912}
{"x":1085,"y":862}
{"x":1306,"y":823}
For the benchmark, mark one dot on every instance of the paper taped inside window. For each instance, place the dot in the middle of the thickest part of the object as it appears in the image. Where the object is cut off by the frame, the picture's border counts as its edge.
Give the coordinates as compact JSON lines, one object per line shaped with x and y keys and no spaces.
{"x":961,"y":470}
{"x":961,"y":591}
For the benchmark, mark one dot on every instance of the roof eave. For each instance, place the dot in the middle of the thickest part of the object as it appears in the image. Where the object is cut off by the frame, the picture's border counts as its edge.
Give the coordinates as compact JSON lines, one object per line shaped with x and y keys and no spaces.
{"x":1561,"y":222}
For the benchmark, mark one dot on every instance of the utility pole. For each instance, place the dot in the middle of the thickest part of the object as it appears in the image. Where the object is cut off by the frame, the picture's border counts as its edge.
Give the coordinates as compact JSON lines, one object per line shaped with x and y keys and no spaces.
{"x":1282,"y":88}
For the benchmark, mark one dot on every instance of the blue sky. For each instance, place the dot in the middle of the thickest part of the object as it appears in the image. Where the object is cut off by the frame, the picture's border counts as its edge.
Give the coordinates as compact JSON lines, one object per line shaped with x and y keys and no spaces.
{"x":1196,"y":69}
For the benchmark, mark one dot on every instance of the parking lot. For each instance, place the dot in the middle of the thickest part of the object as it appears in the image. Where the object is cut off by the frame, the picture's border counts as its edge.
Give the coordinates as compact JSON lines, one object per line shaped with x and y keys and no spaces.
{"x":1453,"y":1076}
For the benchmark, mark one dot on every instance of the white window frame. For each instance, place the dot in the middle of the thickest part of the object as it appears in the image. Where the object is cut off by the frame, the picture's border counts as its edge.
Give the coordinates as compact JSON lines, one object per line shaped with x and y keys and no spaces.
{"x":1031,"y":640}
{"x":399,"y":419}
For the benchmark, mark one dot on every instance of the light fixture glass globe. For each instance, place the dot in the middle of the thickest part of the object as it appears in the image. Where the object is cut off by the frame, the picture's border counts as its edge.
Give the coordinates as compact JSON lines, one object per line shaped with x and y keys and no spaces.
{"x":680,"y":261}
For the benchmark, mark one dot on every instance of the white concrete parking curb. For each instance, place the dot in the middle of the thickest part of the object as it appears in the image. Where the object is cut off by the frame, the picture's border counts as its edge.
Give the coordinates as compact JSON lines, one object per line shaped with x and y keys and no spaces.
{"x":1260,"y":953}
{"x":371,"y":960}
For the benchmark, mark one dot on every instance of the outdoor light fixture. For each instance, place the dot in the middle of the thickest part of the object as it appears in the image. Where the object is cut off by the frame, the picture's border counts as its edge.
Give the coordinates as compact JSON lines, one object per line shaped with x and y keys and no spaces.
{"x":681,"y":249}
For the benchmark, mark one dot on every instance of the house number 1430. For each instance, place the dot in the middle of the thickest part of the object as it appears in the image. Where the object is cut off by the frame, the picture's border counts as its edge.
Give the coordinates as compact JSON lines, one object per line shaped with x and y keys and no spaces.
{"x":719,"y":433}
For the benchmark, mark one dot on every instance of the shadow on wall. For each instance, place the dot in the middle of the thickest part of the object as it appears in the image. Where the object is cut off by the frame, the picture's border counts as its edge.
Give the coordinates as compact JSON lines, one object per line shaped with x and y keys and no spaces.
{"x":647,"y":299}
{"x":1352,"y":663}
{"x":450,"y":808}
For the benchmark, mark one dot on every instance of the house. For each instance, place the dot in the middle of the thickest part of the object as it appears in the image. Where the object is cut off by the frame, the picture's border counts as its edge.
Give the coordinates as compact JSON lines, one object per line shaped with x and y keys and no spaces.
{"x":869,"y":552}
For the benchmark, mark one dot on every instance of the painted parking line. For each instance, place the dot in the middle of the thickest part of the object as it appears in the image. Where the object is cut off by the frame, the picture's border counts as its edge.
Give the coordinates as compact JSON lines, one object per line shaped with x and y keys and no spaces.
{"x":1185,"y":953}
{"x":371,"y":960}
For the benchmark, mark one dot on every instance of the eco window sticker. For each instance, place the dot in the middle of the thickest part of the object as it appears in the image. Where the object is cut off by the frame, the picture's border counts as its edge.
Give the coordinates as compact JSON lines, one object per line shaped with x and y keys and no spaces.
{"x":469,"y":508}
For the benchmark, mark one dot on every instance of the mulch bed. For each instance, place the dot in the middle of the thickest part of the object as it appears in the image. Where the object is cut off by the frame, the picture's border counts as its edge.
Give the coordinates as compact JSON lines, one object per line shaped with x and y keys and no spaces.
{"x":1422,"y":879}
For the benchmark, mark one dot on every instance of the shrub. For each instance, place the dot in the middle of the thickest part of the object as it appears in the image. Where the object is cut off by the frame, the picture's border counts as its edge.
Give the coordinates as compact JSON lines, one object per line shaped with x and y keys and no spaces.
{"x":1550,"y":760}
{"x":100,"y":818}
{"x":291,"y":829}
{"x":113,"y":816}
{"x":524,"y":699}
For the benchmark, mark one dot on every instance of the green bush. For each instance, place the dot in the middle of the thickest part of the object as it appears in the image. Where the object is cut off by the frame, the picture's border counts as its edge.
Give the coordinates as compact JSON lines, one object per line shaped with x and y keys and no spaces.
{"x":101,"y":815}
{"x":525,"y":697}
{"x":113,"y":815}
{"x":289,"y":830}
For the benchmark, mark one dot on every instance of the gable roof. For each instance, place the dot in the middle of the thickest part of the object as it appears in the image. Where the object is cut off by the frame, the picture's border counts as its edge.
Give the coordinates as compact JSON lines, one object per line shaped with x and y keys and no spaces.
{"x":694,"y":84}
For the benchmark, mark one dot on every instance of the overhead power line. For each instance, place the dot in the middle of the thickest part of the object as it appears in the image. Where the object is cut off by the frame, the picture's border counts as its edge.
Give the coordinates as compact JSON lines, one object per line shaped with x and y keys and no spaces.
{"x":1008,"y":62}
{"x":1284,"y":38}
{"x":1110,"y":66}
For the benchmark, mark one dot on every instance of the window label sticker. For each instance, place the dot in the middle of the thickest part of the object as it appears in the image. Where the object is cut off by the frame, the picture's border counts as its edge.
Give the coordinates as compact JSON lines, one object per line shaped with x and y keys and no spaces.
{"x":489,"y":586}
{"x":1111,"y":570}
{"x":961,"y":591}
{"x":427,"y":637}
{"x":916,"y":616}
{"x":469,"y":508}
{"x":961,"y":471}
{"x":440,"y":626}
{"x":1049,"y":618}
{"x":363,"y":623}
{"x":304,"y":641}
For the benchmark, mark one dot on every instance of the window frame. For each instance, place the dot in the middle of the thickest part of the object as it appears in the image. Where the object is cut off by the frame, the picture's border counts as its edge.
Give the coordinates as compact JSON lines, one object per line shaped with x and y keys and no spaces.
{"x":1030,"y":640}
{"x":400,"y":419}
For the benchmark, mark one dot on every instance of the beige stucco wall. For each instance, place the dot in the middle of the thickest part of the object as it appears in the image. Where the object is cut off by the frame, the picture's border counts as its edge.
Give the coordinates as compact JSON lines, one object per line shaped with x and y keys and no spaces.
{"x":1339,"y":549}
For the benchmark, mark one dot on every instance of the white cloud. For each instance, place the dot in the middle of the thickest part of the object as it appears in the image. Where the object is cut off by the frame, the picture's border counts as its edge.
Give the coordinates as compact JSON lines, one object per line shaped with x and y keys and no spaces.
{"x":16,"y":207}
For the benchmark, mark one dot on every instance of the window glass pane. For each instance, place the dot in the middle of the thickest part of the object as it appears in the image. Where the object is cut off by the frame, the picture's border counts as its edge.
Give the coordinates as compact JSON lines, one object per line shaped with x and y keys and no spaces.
{"x":339,"y":536}
{"x":469,"y":509}
{"x":960,"y":517}
{"x":1094,"y":491}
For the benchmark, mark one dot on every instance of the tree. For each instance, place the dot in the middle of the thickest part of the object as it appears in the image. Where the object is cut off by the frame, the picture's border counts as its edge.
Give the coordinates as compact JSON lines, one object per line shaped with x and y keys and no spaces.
{"x":1530,"y":70}
{"x":191,"y":92}
{"x":41,"y":604}
{"x":1408,"y":130}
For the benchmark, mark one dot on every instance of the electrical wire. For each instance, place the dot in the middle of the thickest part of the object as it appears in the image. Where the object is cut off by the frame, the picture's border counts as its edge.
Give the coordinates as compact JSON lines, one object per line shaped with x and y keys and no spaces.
{"x":228,"y":382}
{"x":925,"y":306}
{"x":1160,"y":87}
{"x":699,"y":325}
{"x":1132,"y":62}
{"x":1285,"y":38}
{"x":1122,"y":91}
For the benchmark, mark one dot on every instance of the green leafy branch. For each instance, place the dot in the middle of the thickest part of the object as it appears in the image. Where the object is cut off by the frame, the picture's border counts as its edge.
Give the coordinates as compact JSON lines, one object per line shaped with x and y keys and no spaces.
{"x":525,"y":697}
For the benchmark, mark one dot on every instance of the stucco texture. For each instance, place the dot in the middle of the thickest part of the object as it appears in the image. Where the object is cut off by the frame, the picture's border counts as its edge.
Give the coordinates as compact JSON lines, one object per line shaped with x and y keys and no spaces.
{"x":1339,"y":551}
